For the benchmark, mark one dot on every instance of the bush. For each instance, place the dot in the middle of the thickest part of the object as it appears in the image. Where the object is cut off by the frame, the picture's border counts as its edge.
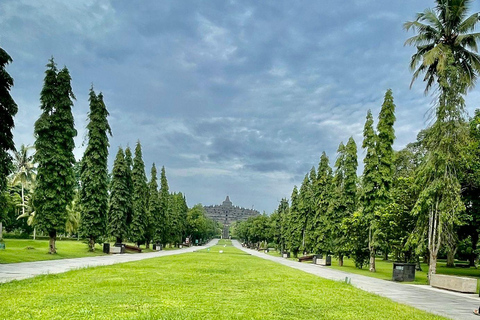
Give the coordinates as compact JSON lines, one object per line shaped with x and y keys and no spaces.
{"x":11,"y":235}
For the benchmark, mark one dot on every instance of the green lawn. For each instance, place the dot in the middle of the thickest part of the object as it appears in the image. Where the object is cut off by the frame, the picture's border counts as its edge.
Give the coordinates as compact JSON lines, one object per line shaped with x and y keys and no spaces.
{"x":19,"y":250}
{"x":200,"y":285}
{"x":385,"y":269}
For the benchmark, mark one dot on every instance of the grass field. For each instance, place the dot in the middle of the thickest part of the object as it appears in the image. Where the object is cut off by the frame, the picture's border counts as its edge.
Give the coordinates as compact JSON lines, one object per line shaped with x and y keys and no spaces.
{"x":385,"y":269}
{"x":201,"y":285}
{"x":18,"y":250}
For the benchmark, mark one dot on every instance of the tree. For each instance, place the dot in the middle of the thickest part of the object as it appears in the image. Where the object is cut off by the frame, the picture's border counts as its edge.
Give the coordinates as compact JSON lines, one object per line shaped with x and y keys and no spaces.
{"x":442,"y":31}
{"x":153,"y":207}
{"x":470,"y":182}
{"x":140,"y":192}
{"x":370,"y":186}
{"x":24,"y":170}
{"x":321,"y":202}
{"x":385,"y":153}
{"x":164,"y":221}
{"x":294,"y":223}
{"x":94,"y":173}
{"x":8,"y":110}
{"x":54,"y":145}
{"x":129,"y":182}
{"x":119,"y":204}
{"x":439,"y":203}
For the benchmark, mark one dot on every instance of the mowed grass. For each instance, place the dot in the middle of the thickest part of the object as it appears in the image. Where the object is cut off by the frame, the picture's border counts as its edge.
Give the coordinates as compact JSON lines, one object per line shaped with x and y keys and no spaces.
{"x":384,"y":269}
{"x":19,"y":250}
{"x":200,"y":285}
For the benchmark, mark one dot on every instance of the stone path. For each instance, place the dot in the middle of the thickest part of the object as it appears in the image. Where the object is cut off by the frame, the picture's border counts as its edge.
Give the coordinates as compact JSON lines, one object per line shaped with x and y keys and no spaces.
{"x":23,"y":270}
{"x":445,"y":303}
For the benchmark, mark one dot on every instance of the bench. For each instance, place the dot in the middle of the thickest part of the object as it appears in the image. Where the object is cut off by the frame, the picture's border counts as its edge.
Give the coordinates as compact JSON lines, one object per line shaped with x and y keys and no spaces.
{"x":115,"y":249}
{"x":133,"y":248}
{"x":454,"y":283}
{"x":306,"y":258}
{"x":462,"y":265}
{"x":323,"y":262}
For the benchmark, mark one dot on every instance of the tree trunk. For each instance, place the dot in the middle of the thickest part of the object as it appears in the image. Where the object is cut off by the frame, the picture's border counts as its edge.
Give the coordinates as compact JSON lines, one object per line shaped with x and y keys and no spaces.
{"x":371,"y":248}
{"x":34,"y":232}
{"x":432,"y":267}
{"x":147,"y":244}
{"x":119,"y":240}
{"x":53,"y":237}
{"x":451,"y":258}
{"x":418,"y":267}
{"x":385,"y":255}
{"x":340,"y":260}
{"x":372,"y":260}
{"x":91,"y":244}
{"x":23,"y":202}
{"x":473,"y":255}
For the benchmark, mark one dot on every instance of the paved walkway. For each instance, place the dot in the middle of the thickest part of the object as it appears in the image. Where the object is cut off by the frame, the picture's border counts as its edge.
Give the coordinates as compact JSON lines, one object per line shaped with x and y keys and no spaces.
{"x":445,"y":303}
{"x":23,"y":270}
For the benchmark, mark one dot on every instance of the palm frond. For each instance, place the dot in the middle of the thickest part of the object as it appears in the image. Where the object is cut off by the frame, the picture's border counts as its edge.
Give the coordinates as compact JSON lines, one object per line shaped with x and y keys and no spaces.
{"x":469,"y":24}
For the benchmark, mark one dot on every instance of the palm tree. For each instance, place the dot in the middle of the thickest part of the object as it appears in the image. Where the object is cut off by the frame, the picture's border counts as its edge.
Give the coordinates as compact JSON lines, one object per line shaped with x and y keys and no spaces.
{"x":440,"y":31}
{"x":24,"y":172}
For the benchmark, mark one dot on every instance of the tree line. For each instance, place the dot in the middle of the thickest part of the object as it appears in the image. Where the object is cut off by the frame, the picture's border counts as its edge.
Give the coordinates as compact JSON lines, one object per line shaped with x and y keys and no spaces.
{"x":57,"y":194}
{"x":420,"y":201}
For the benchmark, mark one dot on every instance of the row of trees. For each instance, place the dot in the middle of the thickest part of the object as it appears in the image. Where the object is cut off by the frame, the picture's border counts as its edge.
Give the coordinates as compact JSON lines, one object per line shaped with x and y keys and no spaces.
{"x":58,"y":194}
{"x":416,"y":201}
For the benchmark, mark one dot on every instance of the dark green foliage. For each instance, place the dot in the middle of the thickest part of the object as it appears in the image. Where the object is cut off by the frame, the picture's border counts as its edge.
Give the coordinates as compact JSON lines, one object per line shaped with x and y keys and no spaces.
{"x":94,"y":173}
{"x":153,"y":207}
{"x":279,"y":224}
{"x":370,"y":185}
{"x":54,"y":145}
{"x":470,"y":181}
{"x":294,"y":224}
{"x":8,"y":109}
{"x":439,"y":203}
{"x":139,"y":200}
{"x":384,"y":147}
{"x":323,"y":200}
{"x":178,"y":216}
{"x":164,"y":218}
{"x":371,"y":179}
{"x":198,"y":226}
{"x":344,"y":197}
{"x":128,"y":177}
{"x":119,"y":204}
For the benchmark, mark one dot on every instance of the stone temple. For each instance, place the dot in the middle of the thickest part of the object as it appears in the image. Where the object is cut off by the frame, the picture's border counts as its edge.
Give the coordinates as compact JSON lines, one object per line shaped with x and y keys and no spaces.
{"x":226,"y":213}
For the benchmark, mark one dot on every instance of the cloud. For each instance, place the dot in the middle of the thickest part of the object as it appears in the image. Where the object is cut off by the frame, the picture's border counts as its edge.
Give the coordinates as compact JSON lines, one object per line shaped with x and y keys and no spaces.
{"x":233,"y":97}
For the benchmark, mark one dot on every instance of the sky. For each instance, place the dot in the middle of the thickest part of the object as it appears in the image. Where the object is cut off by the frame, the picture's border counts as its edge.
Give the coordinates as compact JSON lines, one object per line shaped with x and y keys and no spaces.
{"x":235,"y":98}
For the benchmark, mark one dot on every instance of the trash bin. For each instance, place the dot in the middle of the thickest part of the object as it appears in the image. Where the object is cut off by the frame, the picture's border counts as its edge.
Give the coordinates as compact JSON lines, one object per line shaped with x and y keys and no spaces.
{"x":286,"y":254}
{"x":403,"y":271}
{"x":106,"y":248}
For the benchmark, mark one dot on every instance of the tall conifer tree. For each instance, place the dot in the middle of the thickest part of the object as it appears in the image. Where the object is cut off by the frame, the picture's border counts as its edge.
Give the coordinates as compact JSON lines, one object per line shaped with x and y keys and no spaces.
{"x":54,"y":145}
{"x":119,"y":204}
{"x":370,"y":185}
{"x":154,"y":206}
{"x":129,"y":182}
{"x":323,"y":194}
{"x":294,"y":224}
{"x":140,"y":192}
{"x":94,"y":173}
{"x":164,"y":221}
{"x":8,"y":109}
{"x":384,"y":146}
